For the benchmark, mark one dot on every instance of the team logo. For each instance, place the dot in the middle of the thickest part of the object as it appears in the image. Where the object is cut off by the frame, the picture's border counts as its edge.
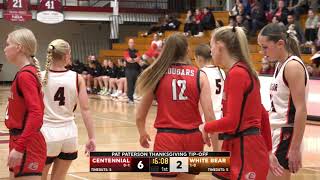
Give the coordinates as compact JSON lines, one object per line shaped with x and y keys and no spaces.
{"x":286,"y":136}
{"x":33,"y":166}
{"x":251,"y":176}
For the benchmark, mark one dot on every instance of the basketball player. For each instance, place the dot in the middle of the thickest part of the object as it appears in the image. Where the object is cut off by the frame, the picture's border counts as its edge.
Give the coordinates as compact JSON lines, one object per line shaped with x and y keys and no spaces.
{"x":216,"y":78}
{"x":24,"y":116}
{"x":62,"y":89}
{"x":289,"y":92}
{"x":242,"y":109}
{"x":178,"y":88}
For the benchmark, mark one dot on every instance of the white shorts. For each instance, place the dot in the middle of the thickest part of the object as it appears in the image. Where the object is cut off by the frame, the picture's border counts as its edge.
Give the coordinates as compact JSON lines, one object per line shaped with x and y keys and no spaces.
{"x":62,"y":142}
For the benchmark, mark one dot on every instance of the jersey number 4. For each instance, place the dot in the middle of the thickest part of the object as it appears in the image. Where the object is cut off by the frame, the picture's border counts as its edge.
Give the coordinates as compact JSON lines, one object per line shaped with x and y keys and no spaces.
{"x":59,"y":96}
{"x":183,"y":86}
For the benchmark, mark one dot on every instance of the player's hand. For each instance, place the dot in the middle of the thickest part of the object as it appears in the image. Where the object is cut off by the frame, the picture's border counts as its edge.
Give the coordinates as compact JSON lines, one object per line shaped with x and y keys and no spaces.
{"x":14,"y":158}
{"x":206,"y":139}
{"x":144,"y":140}
{"x":275,"y":166}
{"x":205,"y":135}
{"x":294,"y":157}
{"x":90,"y":146}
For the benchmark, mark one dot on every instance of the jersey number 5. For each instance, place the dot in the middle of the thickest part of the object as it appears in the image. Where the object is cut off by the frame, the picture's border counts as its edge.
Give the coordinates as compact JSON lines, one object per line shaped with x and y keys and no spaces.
{"x":59,"y":96}
{"x":183,"y":86}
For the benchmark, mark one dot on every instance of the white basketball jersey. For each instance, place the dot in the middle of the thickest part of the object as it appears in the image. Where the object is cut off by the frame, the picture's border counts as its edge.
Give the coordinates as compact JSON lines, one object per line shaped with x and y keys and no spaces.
{"x":216,"y":78}
{"x":282,"y":111}
{"x":60,"y":97}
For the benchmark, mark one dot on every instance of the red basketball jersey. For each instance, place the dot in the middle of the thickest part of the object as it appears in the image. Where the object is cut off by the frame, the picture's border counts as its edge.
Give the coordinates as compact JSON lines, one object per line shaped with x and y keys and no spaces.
{"x":178,"y":95}
{"x":17,"y":110}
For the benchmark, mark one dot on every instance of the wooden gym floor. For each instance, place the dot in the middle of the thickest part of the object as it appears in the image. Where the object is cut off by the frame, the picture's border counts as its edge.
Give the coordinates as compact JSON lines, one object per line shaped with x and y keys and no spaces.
{"x":116,"y":131}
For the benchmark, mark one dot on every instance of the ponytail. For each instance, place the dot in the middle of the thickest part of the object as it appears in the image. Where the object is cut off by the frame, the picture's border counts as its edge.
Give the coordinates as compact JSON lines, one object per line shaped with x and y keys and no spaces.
{"x":292,"y":45}
{"x":48,"y":64}
{"x":36,"y":63}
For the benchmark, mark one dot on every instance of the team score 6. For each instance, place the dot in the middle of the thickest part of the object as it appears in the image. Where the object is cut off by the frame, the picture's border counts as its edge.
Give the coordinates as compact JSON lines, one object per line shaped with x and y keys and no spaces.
{"x":140,"y":164}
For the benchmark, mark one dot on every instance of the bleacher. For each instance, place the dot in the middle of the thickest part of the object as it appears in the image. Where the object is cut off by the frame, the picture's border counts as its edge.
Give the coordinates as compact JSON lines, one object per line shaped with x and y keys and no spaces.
{"x":143,"y":43}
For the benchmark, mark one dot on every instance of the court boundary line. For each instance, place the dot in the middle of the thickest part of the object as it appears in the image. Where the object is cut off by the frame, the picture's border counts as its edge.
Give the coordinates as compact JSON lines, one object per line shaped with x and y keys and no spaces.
{"x":76,"y":176}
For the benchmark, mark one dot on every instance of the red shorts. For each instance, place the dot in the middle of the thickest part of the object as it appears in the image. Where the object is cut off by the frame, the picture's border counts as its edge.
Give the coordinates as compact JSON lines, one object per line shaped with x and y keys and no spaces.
{"x":177,"y":142}
{"x":34,"y":156}
{"x":254,"y":163}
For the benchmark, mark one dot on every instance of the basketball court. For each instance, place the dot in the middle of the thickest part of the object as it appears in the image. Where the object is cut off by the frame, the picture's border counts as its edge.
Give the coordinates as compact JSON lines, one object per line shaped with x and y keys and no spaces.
{"x":116,"y":131}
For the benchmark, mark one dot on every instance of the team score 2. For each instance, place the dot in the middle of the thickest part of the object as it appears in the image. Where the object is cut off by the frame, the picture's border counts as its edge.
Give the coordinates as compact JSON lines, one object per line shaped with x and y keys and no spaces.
{"x":182,"y":84}
{"x":179,"y":164}
{"x":59,"y":96}
{"x":17,"y":4}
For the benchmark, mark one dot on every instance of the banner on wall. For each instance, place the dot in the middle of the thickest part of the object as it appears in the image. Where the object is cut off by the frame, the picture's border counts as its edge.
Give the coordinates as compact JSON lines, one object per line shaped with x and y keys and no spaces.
{"x":50,"y":12}
{"x":17,"y":11}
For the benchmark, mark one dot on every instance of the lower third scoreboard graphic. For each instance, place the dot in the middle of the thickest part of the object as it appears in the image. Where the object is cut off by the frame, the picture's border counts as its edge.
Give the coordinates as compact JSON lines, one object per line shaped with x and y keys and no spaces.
{"x":188,"y":162}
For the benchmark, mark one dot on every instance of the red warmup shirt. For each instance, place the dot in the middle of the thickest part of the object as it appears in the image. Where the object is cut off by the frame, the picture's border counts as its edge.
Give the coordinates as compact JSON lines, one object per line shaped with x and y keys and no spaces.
{"x":236,"y":83}
{"x":178,"y":95}
{"x":25,"y":108}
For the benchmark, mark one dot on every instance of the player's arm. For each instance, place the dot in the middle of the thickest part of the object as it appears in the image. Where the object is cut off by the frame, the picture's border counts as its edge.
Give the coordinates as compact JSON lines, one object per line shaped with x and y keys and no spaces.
{"x":29,"y":86}
{"x":206,"y":106}
{"x":295,"y":76}
{"x":239,"y":81}
{"x":85,"y":112}
{"x":141,"y":116}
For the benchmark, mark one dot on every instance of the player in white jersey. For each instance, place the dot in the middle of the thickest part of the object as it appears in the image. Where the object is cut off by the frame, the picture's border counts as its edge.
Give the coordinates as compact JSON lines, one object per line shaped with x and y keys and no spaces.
{"x":216,"y":77}
{"x":62,"y":89}
{"x":289,"y":92}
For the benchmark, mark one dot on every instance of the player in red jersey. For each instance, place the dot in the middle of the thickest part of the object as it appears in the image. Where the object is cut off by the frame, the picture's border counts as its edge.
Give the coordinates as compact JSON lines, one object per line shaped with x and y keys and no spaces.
{"x":242,"y":109}
{"x":24,"y":116}
{"x":178,"y":88}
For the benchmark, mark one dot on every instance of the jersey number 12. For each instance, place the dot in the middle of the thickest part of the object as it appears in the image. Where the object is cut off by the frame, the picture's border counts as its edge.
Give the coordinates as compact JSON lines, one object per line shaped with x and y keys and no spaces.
{"x":183,"y":86}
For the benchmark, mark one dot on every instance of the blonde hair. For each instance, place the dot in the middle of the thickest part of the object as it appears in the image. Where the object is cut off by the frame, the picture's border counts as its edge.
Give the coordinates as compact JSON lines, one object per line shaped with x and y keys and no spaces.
{"x":235,"y":40}
{"x":28,"y":41}
{"x":57,"y":49}
{"x":174,"y":50}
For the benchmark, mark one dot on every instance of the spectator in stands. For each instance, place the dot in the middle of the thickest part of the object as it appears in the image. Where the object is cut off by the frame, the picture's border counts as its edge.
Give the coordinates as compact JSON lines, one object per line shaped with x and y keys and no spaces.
{"x":207,"y":23}
{"x":242,"y":22}
{"x":152,"y":53}
{"x":314,"y":67}
{"x":232,"y":21}
{"x":163,"y":21}
{"x":78,"y":67}
{"x":113,"y":79}
{"x":281,"y":12}
{"x":198,"y":18}
{"x":276,"y":20}
{"x":235,"y":10}
{"x":311,"y":27}
{"x":121,"y":93}
{"x":258,"y":18}
{"x":297,"y":28}
{"x":170,"y":25}
{"x":104,"y":78}
{"x":303,"y":6}
{"x":86,"y":74}
{"x":189,"y":24}
{"x":156,"y":40}
{"x":133,"y":59}
{"x":266,"y":67}
{"x":96,"y":72}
